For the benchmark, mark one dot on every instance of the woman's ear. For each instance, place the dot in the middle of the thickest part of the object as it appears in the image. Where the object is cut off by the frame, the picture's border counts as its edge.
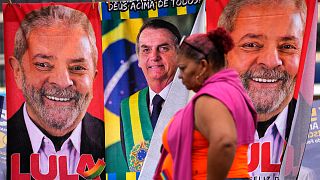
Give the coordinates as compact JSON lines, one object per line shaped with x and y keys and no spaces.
{"x":204,"y":66}
{"x":17,"y":71}
{"x":226,"y":60}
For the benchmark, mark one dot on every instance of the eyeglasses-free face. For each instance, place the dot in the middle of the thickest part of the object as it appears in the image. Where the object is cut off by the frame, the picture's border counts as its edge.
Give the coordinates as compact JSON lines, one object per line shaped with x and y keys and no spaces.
{"x":157,"y":55}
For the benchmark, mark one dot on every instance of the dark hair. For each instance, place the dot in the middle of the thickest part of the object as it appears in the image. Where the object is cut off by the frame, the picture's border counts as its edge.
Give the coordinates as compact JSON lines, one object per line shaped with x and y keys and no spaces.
{"x":160,"y":24}
{"x":211,"y":46}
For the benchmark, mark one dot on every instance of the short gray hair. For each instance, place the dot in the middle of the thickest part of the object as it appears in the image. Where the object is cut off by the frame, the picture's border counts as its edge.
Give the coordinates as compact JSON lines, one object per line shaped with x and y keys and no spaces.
{"x":46,"y":17}
{"x":231,"y":11}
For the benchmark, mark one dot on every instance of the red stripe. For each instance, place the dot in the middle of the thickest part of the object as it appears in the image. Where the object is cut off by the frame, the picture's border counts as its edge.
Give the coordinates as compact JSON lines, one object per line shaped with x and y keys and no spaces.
{"x":310,"y":12}
{"x":213,"y":9}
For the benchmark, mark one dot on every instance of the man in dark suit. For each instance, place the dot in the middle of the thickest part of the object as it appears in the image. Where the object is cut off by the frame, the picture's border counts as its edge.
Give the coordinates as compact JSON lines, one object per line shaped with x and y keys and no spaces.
{"x":54,"y":64}
{"x":156,"y":48}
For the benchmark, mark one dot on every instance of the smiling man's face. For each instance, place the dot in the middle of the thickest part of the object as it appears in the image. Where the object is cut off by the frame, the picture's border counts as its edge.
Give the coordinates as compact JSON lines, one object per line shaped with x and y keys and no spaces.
{"x":56,"y":75}
{"x":268,"y":41}
{"x":157,"y":55}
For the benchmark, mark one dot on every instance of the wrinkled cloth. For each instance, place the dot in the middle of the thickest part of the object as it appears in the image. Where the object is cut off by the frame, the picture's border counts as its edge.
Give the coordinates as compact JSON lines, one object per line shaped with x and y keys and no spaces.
{"x":226,"y":87}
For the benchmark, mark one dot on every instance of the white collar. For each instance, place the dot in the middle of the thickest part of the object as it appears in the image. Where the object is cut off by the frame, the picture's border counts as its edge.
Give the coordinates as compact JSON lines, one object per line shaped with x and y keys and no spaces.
{"x":36,"y":136}
{"x":280,"y":123}
{"x":164,"y":93}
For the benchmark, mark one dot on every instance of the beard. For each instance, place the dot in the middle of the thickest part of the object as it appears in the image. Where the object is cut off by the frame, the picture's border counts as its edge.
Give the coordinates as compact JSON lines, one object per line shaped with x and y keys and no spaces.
{"x":268,"y":99}
{"x":59,"y":117}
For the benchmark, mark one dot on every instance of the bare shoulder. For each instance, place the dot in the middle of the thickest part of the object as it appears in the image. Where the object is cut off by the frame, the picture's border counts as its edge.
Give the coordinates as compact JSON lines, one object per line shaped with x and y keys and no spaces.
{"x":206,"y":102}
{"x":210,"y":115}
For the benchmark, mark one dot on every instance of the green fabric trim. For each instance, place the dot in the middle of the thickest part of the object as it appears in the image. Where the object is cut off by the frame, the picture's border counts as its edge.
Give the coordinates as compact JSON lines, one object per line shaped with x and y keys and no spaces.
{"x":145,"y":120}
{"x":127,"y":130}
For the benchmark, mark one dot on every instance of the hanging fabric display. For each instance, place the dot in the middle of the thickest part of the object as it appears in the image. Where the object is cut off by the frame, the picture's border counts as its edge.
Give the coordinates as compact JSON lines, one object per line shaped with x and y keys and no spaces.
{"x":90,"y":87}
{"x":54,"y":89}
{"x":275,"y":56}
{"x":132,"y":143}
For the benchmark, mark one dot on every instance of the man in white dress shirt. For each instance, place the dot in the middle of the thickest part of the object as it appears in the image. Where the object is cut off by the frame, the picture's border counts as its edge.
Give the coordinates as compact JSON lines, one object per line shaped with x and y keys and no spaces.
{"x":156,"y":48}
{"x":268,"y":38}
{"x":54,"y":64}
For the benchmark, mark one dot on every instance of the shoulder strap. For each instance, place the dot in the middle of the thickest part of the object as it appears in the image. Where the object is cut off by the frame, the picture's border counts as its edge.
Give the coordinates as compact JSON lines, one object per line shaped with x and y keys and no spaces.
{"x":137,"y":128}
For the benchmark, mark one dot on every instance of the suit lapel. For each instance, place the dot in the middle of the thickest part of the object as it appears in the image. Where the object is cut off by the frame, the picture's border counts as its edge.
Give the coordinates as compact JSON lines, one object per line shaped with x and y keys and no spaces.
{"x":19,"y":141}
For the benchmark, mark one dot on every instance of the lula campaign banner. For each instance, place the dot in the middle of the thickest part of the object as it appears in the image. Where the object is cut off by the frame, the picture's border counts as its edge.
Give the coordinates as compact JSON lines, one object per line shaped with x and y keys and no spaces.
{"x":54,"y":91}
{"x":3,"y":137}
{"x":128,"y":79}
{"x":274,"y":54}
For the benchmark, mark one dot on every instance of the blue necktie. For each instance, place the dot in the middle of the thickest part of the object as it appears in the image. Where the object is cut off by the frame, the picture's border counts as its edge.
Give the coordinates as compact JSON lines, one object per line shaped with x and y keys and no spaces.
{"x":157,"y":106}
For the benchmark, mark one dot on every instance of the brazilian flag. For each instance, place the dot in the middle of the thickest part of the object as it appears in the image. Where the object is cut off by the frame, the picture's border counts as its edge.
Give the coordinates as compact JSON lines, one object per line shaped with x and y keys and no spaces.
{"x":122,"y":77}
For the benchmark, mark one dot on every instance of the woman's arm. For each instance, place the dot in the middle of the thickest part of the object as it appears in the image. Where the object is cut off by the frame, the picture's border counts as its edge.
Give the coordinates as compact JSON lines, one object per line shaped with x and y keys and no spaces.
{"x":215,"y":122}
